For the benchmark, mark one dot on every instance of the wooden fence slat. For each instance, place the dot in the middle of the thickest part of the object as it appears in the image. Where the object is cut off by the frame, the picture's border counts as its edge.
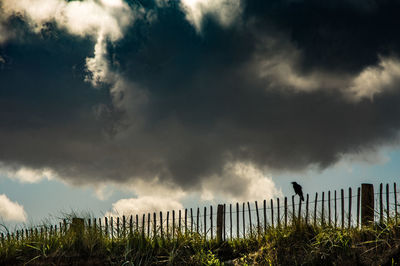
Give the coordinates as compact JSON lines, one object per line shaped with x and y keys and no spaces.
{"x":387,"y":204}
{"x":380,"y":204}
{"x":118,"y":227}
{"x":100,"y":229}
{"x":315,"y":209}
{"x":191,"y":220}
{"x":258,"y":219}
{"x":395,"y":202}
{"x":323,"y":209}
{"x":205,"y":222}
{"x":299,"y":212}
{"x":367,"y":204}
{"x":167,"y":232}
{"x":179,"y":222}
{"x":143,"y":225}
{"x":173,"y":224}
{"x":211,"y":222}
{"x":265,"y":215}
{"x":186,"y":227}
{"x":293,"y":210}
{"x":342,"y":199}
{"x":251,"y":225}
{"x":335,"y":210}
{"x":237,"y":220}
{"x":112,"y":227}
{"x":137,"y":223}
{"x":161,"y":226}
{"x":329,"y":208}
{"x":224,"y":223}
{"x":131,"y":225}
{"x":272,"y":213}
{"x":198,"y":220}
{"x":148,"y":224}
{"x":244,"y":220}
{"x":154,"y":225}
{"x":220,"y":210}
{"x":358,"y":207}
{"x":230,"y":219}
{"x":123,"y":225}
{"x":350,"y":199}
{"x":278,"y":212}
{"x":285,"y":207}
{"x":307,"y":199}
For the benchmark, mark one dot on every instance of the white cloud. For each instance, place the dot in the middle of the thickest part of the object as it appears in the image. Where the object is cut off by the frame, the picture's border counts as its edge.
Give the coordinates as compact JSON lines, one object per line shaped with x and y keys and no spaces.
{"x":240,"y":182}
{"x":103,"y":20}
{"x":226,"y":11}
{"x":144,"y":204}
{"x":152,"y":195}
{"x":376,"y":79}
{"x":27,"y":175}
{"x":277,"y":61}
{"x":11,"y":211}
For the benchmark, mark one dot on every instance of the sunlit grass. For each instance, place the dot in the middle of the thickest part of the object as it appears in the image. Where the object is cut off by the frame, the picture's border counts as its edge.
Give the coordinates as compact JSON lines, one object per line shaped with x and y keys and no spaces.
{"x":299,"y":243}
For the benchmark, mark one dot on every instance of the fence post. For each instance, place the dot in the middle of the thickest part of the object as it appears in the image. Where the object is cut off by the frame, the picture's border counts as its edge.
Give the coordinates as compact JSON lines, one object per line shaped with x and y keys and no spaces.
{"x":77,"y":227}
{"x":367,"y":204}
{"x":335,"y":210}
{"x":220,"y":211}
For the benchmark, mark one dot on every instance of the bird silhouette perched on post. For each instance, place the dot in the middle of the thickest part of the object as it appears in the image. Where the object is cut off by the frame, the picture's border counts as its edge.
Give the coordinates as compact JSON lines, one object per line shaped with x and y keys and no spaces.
{"x":298,"y":190}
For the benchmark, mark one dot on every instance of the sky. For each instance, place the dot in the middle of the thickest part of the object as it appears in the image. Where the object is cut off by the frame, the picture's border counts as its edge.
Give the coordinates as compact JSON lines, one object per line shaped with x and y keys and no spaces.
{"x":111,"y":107}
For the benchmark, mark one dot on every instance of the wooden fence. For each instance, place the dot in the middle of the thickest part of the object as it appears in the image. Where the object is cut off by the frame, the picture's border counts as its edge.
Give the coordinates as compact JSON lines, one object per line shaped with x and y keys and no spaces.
{"x":340,"y":209}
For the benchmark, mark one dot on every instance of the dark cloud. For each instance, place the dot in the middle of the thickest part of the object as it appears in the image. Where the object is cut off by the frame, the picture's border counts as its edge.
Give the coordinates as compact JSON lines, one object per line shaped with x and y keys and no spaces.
{"x":206,"y":103}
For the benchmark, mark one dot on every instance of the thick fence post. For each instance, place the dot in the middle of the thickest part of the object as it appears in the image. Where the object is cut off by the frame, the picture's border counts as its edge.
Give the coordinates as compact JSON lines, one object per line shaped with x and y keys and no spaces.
{"x":367,"y":204}
{"x":220,"y":211}
{"x":77,"y":227}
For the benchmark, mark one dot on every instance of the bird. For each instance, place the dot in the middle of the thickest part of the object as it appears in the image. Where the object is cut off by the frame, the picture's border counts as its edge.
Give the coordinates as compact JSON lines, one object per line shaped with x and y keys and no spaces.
{"x":298,"y":190}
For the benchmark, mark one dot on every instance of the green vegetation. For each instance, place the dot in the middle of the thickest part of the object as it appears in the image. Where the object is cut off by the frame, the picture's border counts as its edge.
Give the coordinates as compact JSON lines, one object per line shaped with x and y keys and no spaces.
{"x":298,"y":244}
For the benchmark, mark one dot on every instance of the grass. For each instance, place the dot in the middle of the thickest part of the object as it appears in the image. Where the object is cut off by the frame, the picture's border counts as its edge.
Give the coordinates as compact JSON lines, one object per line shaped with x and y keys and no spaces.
{"x":298,"y":244}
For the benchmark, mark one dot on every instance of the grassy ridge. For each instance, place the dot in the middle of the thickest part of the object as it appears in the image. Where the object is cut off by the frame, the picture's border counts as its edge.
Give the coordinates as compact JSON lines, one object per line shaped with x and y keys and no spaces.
{"x":299,"y":244}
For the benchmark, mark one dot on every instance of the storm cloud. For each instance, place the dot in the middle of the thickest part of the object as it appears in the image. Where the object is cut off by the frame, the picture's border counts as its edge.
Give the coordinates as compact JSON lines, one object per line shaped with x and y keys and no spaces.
{"x":179,"y":90}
